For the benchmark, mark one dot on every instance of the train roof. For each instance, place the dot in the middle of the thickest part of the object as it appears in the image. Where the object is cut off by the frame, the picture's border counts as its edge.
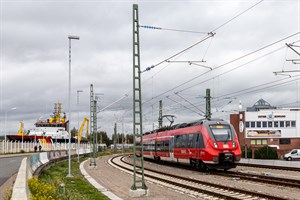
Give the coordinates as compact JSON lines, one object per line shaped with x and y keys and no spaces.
{"x":183,"y":125}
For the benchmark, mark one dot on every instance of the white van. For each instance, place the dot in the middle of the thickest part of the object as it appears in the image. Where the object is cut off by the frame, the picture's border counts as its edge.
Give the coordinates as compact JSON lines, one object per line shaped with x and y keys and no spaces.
{"x":292,"y":155}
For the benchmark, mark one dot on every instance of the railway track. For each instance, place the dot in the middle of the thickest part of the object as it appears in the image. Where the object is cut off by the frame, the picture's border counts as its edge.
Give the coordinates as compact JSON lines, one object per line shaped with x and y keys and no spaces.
{"x":261,"y":178}
{"x":197,"y":188}
{"x":270,"y":167}
{"x":272,"y":180}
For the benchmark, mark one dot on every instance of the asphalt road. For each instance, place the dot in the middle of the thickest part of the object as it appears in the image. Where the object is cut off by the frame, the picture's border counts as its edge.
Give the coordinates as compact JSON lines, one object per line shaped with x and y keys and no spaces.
{"x":8,"y":167}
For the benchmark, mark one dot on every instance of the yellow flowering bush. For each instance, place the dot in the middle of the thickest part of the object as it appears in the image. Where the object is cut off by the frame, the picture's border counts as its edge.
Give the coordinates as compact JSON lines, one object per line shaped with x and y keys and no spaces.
{"x":41,"y":191}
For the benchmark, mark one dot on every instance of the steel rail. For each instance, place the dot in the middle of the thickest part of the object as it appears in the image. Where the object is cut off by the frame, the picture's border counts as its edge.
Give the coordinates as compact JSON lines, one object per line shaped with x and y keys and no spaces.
{"x":233,"y":193}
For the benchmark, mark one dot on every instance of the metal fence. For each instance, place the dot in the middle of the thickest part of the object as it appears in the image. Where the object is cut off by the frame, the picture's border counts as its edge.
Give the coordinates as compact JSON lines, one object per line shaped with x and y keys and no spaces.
{"x":21,"y":147}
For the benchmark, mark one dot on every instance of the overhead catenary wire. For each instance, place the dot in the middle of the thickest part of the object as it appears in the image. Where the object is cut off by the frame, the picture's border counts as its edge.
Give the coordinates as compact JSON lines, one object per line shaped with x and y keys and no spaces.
{"x":210,"y":34}
{"x":239,"y":66}
{"x":184,"y":106}
{"x":237,"y":16}
{"x":190,"y":103}
{"x":224,"y":64}
{"x":180,"y":52}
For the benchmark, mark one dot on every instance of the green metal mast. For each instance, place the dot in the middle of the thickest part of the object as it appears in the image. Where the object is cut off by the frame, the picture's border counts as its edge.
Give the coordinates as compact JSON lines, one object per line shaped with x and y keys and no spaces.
{"x":138,"y":183}
{"x":92,"y":125}
{"x":115,"y":138}
{"x":208,"y":108}
{"x":160,"y":118}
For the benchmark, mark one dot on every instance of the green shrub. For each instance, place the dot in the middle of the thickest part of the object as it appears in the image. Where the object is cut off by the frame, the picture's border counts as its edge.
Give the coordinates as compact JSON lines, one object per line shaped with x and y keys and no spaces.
{"x":249,"y":152}
{"x":265,"y":152}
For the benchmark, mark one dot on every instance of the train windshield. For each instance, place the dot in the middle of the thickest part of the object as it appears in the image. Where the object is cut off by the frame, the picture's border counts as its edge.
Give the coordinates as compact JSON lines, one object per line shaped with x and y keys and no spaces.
{"x":221,"y":133}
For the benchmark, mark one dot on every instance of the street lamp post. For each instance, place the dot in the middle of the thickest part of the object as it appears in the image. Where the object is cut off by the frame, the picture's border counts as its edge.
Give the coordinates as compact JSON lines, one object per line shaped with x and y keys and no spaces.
{"x":78,"y":91}
{"x":5,"y":145}
{"x":69,"y":102}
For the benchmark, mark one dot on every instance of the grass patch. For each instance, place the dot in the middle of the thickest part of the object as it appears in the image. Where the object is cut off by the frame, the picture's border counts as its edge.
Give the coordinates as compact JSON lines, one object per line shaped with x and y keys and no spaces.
{"x":75,"y":188}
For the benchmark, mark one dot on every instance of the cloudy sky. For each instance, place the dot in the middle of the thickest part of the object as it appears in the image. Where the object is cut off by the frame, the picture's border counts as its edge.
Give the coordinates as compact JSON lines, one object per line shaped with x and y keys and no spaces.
{"x":248,"y":46}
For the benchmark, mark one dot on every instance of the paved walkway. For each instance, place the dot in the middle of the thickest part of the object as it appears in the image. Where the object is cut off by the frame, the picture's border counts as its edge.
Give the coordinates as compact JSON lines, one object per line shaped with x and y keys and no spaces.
{"x":118,"y":183}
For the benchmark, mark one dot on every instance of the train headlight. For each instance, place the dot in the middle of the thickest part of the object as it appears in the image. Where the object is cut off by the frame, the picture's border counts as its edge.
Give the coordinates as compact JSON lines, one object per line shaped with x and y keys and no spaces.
{"x":215,"y":145}
{"x":233,"y":144}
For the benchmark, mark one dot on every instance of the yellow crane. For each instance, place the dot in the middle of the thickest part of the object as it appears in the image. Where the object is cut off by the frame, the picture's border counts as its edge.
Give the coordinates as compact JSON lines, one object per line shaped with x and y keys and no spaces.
{"x":20,"y":132}
{"x":79,"y":135}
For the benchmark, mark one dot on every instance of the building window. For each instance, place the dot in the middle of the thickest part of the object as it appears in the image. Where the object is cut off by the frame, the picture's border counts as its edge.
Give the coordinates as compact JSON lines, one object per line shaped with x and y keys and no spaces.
{"x":264,"y":124}
{"x":252,"y":124}
{"x":264,"y":142}
{"x":247,"y":124}
{"x":258,"y":142}
{"x":293,"y":123}
{"x":275,"y":123}
{"x":287,"y":124}
{"x":284,"y":141}
{"x":270,"y":124}
{"x":281,"y":123}
{"x":258,"y":124}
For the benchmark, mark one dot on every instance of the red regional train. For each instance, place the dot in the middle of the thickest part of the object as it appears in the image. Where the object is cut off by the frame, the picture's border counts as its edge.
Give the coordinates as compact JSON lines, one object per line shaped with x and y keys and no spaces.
{"x":204,"y":144}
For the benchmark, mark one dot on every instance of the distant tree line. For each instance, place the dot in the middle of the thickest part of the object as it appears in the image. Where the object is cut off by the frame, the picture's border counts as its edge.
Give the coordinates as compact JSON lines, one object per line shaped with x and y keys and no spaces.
{"x":102,"y":137}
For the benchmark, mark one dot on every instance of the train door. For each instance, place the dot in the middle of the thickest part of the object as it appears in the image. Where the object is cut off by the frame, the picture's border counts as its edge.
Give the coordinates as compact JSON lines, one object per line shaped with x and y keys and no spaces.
{"x":171,"y":148}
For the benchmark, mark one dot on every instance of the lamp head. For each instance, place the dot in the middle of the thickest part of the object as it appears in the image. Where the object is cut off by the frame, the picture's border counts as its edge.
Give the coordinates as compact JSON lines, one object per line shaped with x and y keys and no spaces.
{"x":73,"y":37}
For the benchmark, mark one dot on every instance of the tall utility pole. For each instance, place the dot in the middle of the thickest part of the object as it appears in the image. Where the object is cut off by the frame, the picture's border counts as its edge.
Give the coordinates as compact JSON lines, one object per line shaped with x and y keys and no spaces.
{"x":69,"y":102}
{"x":138,"y":183}
{"x":92,"y":133}
{"x":208,"y":107}
{"x":160,"y":117}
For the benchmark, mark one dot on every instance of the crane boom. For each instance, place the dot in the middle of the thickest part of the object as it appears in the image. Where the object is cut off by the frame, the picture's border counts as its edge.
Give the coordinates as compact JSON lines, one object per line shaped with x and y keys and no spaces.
{"x":85,"y":121}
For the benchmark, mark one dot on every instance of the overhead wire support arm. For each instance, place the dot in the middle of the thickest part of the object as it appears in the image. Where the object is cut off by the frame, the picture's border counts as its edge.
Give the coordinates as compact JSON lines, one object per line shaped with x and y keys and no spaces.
{"x":180,"y":52}
{"x":291,"y":47}
{"x":170,"y":29}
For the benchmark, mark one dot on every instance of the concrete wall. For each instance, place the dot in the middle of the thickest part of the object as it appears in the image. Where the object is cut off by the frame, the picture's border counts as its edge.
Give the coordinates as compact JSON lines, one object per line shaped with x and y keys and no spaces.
{"x":29,"y":166}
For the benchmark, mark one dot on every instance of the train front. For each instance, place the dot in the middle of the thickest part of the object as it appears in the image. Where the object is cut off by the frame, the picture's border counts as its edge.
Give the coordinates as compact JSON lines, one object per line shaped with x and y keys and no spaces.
{"x":222,"y":148}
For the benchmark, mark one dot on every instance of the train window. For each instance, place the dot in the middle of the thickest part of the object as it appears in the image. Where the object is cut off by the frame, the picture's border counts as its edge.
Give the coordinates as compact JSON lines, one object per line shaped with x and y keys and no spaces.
{"x":200,"y":141}
{"x":158,"y":146}
{"x":178,"y":139}
{"x":221,"y":133}
{"x":190,"y":141}
{"x":166,"y":146}
{"x":184,"y":141}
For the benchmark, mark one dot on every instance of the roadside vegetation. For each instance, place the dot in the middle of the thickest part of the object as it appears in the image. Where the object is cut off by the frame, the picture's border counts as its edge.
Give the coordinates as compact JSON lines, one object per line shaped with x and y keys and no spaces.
{"x":53,"y":183}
